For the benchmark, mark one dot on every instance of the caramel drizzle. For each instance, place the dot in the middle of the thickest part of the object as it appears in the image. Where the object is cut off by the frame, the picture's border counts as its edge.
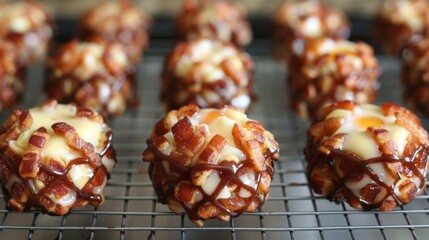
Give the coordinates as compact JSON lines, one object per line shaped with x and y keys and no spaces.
{"x":406,"y":163}
{"x":227,"y":173}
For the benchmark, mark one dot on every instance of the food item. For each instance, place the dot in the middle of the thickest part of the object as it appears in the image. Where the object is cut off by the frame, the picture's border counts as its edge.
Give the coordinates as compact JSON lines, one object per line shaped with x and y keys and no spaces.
{"x":117,"y":21}
{"x":415,"y":74}
{"x":298,"y":21}
{"x":221,"y":20}
{"x":397,"y":21}
{"x":95,"y":75}
{"x":55,"y":157}
{"x":209,"y":73}
{"x":372,"y":157}
{"x":210,"y":163}
{"x":11,"y":76}
{"x":29,"y":26}
{"x":327,"y":70}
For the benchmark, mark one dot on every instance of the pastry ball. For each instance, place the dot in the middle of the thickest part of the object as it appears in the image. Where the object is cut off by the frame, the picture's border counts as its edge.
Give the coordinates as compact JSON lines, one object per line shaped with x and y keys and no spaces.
{"x":95,"y":75}
{"x":11,"y":76}
{"x":210,"y":163}
{"x":29,"y":26}
{"x":222,"y":20}
{"x":117,"y":21}
{"x":370,"y":156}
{"x":298,"y":21}
{"x":397,"y":21}
{"x":415,"y":75}
{"x":327,"y":70}
{"x":55,"y":157}
{"x":208,"y":73}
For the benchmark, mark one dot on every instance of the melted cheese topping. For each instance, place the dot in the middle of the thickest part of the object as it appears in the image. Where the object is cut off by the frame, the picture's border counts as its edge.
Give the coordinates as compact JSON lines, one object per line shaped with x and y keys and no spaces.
{"x":80,"y":175}
{"x":56,"y":146}
{"x":358,"y":140}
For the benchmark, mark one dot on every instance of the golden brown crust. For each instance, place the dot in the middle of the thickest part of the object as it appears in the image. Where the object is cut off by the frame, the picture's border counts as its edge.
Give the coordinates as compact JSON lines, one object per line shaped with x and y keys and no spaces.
{"x":415,"y":74}
{"x":117,"y":21}
{"x":32,"y":179}
{"x":398,"y":21}
{"x":29,"y":26}
{"x":221,"y":20}
{"x":328,"y":70}
{"x":11,"y":76}
{"x":341,"y":175}
{"x":290,"y":20}
{"x":223,"y":76}
{"x":182,"y":169}
{"x":96,"y":75}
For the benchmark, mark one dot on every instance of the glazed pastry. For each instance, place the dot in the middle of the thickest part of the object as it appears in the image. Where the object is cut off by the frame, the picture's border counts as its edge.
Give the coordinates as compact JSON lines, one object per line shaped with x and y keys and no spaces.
{"x":208,"y":73}
{"x":327,"y":70}
{"x":96,"y":75}
{"x":298,"y":21}
{"x":415,"y":75}
{"x":221,"y":20}
{"x":55,"y":157}
{"x":29,"y":26}
{"x":210,"y":163}
{"x":11,"y":76}
{"x":397,"y":21}
{"x":372,"y":157}
{"x":117,"y":21}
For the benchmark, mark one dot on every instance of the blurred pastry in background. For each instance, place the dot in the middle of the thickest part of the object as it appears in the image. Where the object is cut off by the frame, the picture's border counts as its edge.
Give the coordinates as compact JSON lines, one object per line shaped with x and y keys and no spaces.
{"x":209,"y":73}
{"x":11,"y":75}
{"x":92,"y":74}
{"x":300,"y":20}
{"x":397,"y":21}
{"x":328,"y":70}
{"x":415,"y":74}
{"x":118,"y":21}
{"x":29,"y":26}
{"x":222,"y":20}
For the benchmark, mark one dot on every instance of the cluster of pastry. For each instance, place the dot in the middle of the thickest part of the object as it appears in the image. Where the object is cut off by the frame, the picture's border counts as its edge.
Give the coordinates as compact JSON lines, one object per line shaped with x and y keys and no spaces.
{"x":372,"y":157}
{"x":323,"y":67}
{"x":206,"y":157}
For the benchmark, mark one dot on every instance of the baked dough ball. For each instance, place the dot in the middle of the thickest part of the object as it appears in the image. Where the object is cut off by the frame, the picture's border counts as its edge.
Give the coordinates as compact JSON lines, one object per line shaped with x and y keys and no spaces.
{"x":208,"y":73}
{"x":397,"y":21}
{"x":55,"y":157}
{"x":210,"y":163}
{"x":298,"y":21}
{"x":222,"y":20}
{"x":29,"y":26}
{"x":328,"y":70}
{"x":11,"y":76}
{"x":370,"y":156}
{"x":415,"y":74}
{"x":92,"y":74}
{"x":117,"y":21}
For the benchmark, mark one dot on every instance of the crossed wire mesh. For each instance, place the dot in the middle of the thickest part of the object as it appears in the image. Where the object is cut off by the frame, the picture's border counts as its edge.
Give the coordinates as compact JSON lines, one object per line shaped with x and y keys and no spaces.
{"x":293,"y":211}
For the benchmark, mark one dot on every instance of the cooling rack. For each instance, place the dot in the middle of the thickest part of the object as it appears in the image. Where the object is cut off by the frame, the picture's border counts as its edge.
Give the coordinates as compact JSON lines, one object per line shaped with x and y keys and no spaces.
{"x":293,"y":211}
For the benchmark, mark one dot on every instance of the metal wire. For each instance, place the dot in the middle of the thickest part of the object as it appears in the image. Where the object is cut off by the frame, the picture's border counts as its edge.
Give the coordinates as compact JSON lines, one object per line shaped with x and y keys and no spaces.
{"x":292,"y":212}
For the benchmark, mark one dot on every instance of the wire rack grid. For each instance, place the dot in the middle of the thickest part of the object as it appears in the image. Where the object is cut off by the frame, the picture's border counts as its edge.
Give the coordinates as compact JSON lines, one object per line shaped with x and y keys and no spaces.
{"x":293,"y":211}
